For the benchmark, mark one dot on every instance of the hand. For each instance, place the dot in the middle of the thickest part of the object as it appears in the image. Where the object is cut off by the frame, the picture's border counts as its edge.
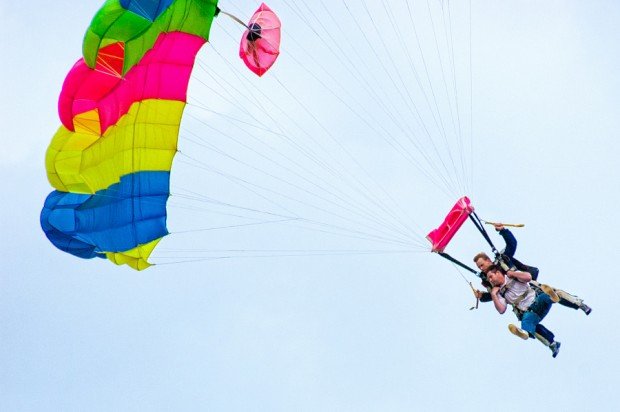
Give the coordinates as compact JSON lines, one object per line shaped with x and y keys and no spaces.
{"x":498,"y":226}
{"x":495,"y":291}
{"x":478,"y":294}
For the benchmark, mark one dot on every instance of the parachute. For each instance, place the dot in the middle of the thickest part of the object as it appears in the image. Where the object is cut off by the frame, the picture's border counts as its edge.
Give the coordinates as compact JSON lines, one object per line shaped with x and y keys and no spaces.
{"x":122,"y":104}
{"x":441,"y":236}
{"x":259,"y":46}
{"x":121,"y":107}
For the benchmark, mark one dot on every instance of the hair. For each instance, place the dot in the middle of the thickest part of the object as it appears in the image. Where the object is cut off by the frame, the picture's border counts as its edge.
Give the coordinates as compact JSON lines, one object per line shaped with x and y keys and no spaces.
{"x":481,"y":255}
{"x":494,"y":268}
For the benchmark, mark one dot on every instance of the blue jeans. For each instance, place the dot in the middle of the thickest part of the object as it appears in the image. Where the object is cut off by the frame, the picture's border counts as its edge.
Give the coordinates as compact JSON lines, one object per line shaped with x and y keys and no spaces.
{"x":545,"y":333}
{"x":535,"y":314}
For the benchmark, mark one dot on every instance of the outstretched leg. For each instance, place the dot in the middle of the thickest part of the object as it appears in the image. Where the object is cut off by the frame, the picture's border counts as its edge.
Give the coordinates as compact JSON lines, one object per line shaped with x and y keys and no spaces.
{"x":544,"y":335}
{"x":566,"y":299}
{"x":572,"y":301}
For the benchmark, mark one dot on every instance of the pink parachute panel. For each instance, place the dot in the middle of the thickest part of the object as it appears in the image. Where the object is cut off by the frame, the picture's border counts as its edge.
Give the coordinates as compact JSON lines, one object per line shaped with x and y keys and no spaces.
{"x":171,"y":59}
{"x":441,"y":236}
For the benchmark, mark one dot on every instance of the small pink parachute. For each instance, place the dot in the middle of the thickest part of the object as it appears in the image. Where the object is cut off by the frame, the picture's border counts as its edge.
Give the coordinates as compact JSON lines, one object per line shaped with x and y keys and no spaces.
{"x":441,"y":236}
{"x":260,"y":44}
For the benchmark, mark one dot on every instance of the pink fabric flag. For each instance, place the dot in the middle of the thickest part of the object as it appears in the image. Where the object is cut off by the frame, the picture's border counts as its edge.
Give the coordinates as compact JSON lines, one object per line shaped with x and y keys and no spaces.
{"x":441,"y":236}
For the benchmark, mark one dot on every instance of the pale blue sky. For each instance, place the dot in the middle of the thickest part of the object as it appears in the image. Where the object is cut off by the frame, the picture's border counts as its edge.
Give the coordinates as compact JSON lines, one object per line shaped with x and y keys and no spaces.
{"x":341,"y":309}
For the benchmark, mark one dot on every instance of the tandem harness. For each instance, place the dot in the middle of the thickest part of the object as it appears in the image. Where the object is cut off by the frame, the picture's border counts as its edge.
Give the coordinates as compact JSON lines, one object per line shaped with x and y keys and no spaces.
{"x":505,"y":262}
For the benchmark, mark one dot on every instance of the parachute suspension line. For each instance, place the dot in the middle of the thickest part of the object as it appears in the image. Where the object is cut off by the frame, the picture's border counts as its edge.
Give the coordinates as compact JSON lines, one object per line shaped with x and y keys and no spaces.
{"x":369,"y":88}
{"x":441,"y":124}
{"x":334,"y":230}
{"x":177,"y":232}
{"x":204,"y":166}
{"x":449,"y":41}
{"x":471,"y":100}
{"x":385,"y":208}
{"x":349,"y":209}
{"x":273,"y":255}
{"x":443,"y":76}
{"x":282,"y":252}
{"x":311,"y":193}
{"x":355,"y":71}
{"x":393,"y":82}
{"x":400,"y":37}
{"x":336,"y":26}
{"x":410,"y":101}
{"x":459,"y":132}
{"x":323,"y":183}
{"x":198,"y":197}
{"x":244,"y":183}
{"x":426,"y":70}
{"x":309,"y":153}
{"x":352,"y":234}
{"x":362,"y":118}
{"x":415,"y":110}
{"x":328,"y":167}
{"x":418,"y":118}
{"x":335,"y":141}
{"x":228,"y":99}
{"x":401,"y":150}
{"x":352,"y":206}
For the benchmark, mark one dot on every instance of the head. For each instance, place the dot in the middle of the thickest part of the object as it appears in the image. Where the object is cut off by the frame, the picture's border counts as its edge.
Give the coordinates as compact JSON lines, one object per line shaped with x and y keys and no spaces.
{"x":495,"y":275}
{"x":483,"y":261}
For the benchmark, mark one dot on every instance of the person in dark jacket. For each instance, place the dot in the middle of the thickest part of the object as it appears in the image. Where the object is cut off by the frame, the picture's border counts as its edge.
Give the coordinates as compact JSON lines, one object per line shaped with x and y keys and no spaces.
{"x":507,"y":261}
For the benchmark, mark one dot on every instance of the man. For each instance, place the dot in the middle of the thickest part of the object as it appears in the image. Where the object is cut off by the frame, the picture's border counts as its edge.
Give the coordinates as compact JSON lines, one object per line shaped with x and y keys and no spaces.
{"x":531,"y":308}
{"x":483,"y":262}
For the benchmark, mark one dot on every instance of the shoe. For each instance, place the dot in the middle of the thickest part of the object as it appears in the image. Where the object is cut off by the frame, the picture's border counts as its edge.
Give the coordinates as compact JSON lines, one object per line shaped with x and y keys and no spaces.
{"x":555,"y":348}
{"x":518,"y":332}
{"x":549,"y":291}
{"x":587,"y":309}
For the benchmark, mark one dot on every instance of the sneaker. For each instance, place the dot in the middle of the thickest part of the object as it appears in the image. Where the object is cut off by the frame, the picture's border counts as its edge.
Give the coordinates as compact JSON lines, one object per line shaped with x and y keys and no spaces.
{"x":518,"y":332}
{"x":555,"y":348}
{"x":587,"y":309}
{"x":549,"y":291}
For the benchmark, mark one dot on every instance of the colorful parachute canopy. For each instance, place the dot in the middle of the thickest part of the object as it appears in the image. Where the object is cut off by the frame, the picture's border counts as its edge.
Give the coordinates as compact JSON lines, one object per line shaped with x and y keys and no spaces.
{"x":441,"y":236}
{"x":260,"y":44}
{"x":137,"y":24}
{"x":120,"y":108}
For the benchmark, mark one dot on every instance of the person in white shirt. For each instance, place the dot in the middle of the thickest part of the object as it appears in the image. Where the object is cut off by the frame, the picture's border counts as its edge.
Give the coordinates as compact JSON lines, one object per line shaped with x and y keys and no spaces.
{"x":531,"y":307}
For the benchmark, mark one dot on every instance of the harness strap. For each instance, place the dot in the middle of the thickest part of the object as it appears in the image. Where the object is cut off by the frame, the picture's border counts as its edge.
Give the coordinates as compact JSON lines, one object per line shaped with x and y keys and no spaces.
{"x":456,"y":262}
{"x":519,"y":298}
{"x":477,"y":222}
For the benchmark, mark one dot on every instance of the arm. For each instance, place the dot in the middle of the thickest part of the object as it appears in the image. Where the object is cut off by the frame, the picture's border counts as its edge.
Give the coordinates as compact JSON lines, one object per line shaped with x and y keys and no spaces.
{"x":484,"y":296}
{"x":498,"y":301}
{"x":511,"y":242}
{"x":523,"y":277}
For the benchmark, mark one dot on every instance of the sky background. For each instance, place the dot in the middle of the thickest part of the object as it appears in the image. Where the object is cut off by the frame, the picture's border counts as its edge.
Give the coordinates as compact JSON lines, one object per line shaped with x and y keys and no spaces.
{"x":297,"y":277}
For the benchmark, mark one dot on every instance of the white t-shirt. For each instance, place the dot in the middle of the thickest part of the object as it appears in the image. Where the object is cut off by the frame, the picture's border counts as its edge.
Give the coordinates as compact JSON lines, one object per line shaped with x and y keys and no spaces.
{"x":514,"y":291}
